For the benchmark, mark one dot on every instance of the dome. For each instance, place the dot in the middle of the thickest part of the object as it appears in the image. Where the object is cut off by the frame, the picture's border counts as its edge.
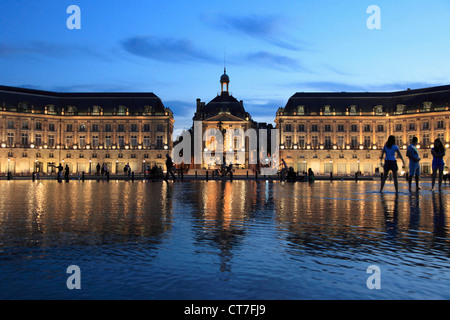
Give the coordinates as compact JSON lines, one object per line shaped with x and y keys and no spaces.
{"x":224,"y":77}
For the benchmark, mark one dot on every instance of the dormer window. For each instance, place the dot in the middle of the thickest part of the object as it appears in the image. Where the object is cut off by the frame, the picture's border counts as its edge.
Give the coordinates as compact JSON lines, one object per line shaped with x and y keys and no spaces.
{"x":148,"y":110}
{"x":327,"y":111}
{"x":96,"y":110}
{"x":301,"y":110}
{"x":122,"y":110}
{"x":353,"y":110}
{"x":71,"y":110}
{"x":427,"y":106}
{"x":379,"y":110}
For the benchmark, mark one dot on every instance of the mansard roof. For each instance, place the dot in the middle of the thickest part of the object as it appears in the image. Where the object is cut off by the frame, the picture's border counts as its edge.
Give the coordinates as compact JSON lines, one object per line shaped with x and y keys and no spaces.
{"x":21,"y":99}
{"x":366,"y":102}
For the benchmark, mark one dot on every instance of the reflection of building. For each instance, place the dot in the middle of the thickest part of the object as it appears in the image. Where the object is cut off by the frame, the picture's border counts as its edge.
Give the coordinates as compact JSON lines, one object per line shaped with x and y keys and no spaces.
{"x":41,"y":129}
{"x":344,"y":132}
{"x":226,"y":114}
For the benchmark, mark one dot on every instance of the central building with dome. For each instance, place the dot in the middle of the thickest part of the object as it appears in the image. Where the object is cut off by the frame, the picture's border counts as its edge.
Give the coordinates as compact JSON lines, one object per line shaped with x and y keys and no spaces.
{"x":226,"y":114}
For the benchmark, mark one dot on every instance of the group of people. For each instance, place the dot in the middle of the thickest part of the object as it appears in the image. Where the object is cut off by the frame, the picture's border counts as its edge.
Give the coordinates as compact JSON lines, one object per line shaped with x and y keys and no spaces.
{"x":60,"y":172}
{"x":102,"y":169}
{"x":390,"y":162}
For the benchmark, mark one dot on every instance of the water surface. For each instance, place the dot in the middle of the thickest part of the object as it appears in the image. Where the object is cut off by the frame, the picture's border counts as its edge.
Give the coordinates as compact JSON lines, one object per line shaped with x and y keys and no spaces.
{"x":222,"y":240}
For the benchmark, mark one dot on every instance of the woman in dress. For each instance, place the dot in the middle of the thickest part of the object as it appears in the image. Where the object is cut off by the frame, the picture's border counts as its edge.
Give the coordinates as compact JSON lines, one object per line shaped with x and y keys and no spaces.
{"x":390,"y":162}
{"x":438,"y":152}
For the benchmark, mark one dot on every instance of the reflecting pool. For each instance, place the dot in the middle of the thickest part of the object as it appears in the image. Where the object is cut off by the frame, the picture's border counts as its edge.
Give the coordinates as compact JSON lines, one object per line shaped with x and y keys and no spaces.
{"x":222,"y":240}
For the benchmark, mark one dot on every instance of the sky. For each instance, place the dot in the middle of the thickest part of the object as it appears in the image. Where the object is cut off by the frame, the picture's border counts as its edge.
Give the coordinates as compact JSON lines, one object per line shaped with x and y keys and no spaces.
{"x":178,"y":49}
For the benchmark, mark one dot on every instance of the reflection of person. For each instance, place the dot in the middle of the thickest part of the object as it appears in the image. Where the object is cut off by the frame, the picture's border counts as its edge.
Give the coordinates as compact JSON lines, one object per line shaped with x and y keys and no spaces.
{"x":169,"y":166}
{"x":438,"y":153}
{"x":390,"y":162}
{"x":310,"y":175}
{"x":414,"y":163}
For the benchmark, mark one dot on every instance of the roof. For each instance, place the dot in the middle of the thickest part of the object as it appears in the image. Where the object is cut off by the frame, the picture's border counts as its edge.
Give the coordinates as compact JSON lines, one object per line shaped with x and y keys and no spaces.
{"x":15,"y":99}
{"x":365,"y":102}
{"x":222,"y":103}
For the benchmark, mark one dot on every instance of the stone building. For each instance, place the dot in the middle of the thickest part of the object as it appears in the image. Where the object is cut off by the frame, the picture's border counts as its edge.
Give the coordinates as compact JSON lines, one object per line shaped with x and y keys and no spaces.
{"x":41,"y":129}
{"x":344,"y":132}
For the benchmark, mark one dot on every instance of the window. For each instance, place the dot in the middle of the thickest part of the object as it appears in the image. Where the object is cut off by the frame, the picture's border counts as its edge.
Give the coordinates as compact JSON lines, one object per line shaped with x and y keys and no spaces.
{"x":367,"y":128}
{"x":426,"y":125}
{"x":82,"y":141}
{"x":328,"y":142}
{"x":120,"y":156}
{"x":301,"y":127}
{"x":399,"y":140}
{"x":38,"y":139}
{"x":341,"y":142}
{"x":94,"y":141}
{"x":24,"y":139}
{"x":146,"y":127}
{"x":159,"y":127}
{"x":301,"y":141}
{"x":82,"y":128}
{"x":10,"y":124}
{"x":288,"y":142}
{"x":108,"y":127}
{"x":352,"y":110}
{"x":354,"y":142}
{"x":134,"y":127}
{"x":120,"y":128}
{"x":146,"y":156}
{"x":426,"y":139}
{"x":367,"y":142}
{"x":412,"y":126}
{"x":38,"y":126}
{"x":81,"y":156}
{"x":380,"y":127}
{"x":68,"y":155}
{"x":354,"y":128}
{"x":51,"y":127}
{"x":440,"y":124}
{"x":340,"y":128}
{"x":121,"y":141}
{"x":146,"y":141}
{"x":51,"y":155}
{"x":398,"y":127}
{"x":51,"y":140}
{"x":314,"y":128}
{"x":440,"y":136}
{"x":108,"y":142}
{"x":68,"y":141}
{"x":95,"y":127}
{"x":10,"y":154}
{"x":94,"y":155}
{"x":327,"y":110}
{"x":122,"y":111}
{"x":133,"y":156}
{"x":10,"y":139}
{"x":107,"y":156}
{"x":159,"y":141}
{"x":96,"y":110}
{"x":288,"y":127}
{"x":315,"y":141}
{"x":24,"y":125}
{"x":379,"y":110}
{"x":69,"y":127}
{"x":301,"y":110}
{"x":328,"y":128}
{"x":134,"y":141}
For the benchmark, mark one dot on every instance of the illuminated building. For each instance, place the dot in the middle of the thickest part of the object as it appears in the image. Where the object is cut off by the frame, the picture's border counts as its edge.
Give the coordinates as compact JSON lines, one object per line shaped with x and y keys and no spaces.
{"x":344,"y":132}
{"x":41,"y":129}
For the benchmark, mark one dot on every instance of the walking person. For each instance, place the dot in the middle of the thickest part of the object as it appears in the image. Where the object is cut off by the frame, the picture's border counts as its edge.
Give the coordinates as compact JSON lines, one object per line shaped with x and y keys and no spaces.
{"x":438,"y":152}
{"x":98,"y":169}
{"x":169,"y":166}
{"x":414,"y":163}
{"x":390,"y":162}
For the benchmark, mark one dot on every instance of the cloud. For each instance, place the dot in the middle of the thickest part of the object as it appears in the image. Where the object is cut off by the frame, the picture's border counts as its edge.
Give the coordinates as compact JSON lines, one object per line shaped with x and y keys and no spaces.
{"x":263,"y":27}
{"x":48,"y":49}
{"x":272,"y":61}
{"x":166,"y":49}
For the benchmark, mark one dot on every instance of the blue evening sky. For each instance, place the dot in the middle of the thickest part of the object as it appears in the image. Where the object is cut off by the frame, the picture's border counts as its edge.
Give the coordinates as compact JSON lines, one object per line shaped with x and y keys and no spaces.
{"x":272,"y":49}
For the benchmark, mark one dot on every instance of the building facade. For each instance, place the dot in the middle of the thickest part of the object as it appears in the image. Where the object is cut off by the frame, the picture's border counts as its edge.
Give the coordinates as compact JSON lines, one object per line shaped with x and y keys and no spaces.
{"x":226,"y":117}
{"x":41,"y":129}
{"x":343,"y":133}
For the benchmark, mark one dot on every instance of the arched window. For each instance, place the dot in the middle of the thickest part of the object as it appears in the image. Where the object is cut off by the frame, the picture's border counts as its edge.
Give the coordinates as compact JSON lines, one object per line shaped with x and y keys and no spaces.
{"x":71,"y":110}
{"x":379,"y":110}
